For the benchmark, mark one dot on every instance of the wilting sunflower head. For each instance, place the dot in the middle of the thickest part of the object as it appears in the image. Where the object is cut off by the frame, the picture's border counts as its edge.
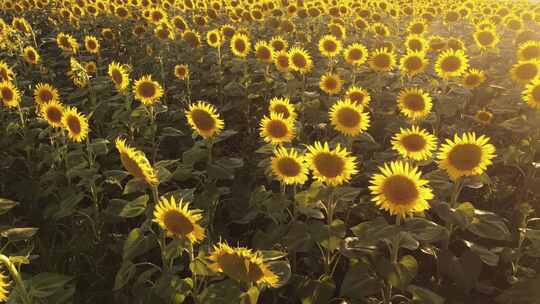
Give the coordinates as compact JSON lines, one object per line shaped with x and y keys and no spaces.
{"x":382,"y":60}
{"x":300,"y":60}
{"x":45,"y":92}
{"x":78,"y":74}
{"x":204,"y":119}
{"x":414,"y":103}
{"x":400,"y":190}
{"x":282,"y":61}
{"x":136,"y":163}
{"x":91,"y":44}
{"x":242,"y":265}
{"x":67,"y":43}
{"x":75,"y":123}
{"x":473,"y":78}
{"x":331,"y":166}
{"x":52,"y":111}
{"x":413,"y":63}
{"x":467,"y":155}
{"x":348,"y":117}
{"x":529,"y":50}
{"x":264,"y":52}
{"x":329,"y":46}
{"x":9,"y":94}
{"x":240,"y":45}
{"x":486,"y":39}
{"x":4,"y":285}
{"x":30,"y":55}
{"x":483,"y":117}
{"x":416,"y":43}
{"x":147,"y":90}
{"x":119,"y":76}
{"x":289,"y":167}
{"x":331,"y":83}
{"x":214,"y":38}
{"x":358,"y":95}
{"x":164,"y":31}
{"x":525,"y":71}
{"x":178,"y":220}
{"x":414,"y":143}
{"x":6,"y":73}
{"x":279,"y":43}
{"x":181,"y":71}
{"x":355,"y":54}
{"x":451,"y":63}
{"x":277,"y":130}
{"x":282,"y":106}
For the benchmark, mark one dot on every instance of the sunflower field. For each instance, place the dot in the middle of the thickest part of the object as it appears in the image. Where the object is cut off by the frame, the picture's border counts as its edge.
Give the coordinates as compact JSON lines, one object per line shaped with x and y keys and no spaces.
{"x":270,"y":151}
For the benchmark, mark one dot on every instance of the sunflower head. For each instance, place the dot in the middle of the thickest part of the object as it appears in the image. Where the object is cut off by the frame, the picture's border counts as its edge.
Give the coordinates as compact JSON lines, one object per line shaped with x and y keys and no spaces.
{"x":240,"y":45}
{"x":282,"y":106}
{"x":300,"y":60}
{"x":147,"y":90}
{"x":486,"y":39}
{"x":289,"y":167}
{"x":416,"y":43}
{"x":52,"y":111}
{"x":331,"y":83}
{"x":331,"y":166}
{"x":90,"y":67}
{"x":275,"y":129}
{"x":329,"y":46}
{"x":414,"y":143}
{"x":278,"y":43}
{"x":136,"y":163}
{"x":417,"y":27}
{"x":178,"y":220}
{"x":9,"y":94}
{"x":414,"y":103}
{"x":45,"y":92}
{"x":531,"y":94}
{"x":75,"y":123}
{"x":214,"y":38}
{"x":358,"y":95}
{"x":119,"y":76}
{"x":6,"y":73}
{"x":529,"y":50}
{"x":525,"y":71}
{"x":204,"y":119}
{"x":348,"y":117}
{"x":413,"y":63}
{"x":4,"y":287}
{"x":181,"y":71}
{"x":355,"y":54}
{"x":436,"y":43}
{"x":382,"y":60}
{"x":451,"y":63}
{"x":30,"y":55}
{"x":483,"y":117}
{"x":91,"y":44}
{"x":264,"y":52}
{"x":473,"y":78}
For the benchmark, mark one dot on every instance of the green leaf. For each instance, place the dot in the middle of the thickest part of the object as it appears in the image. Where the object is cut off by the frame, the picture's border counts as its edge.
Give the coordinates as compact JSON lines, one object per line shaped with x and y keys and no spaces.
{"x":224,"y":292}
{"x":19,"y":234}
{"x":251,"y":296}
{"x":136,"y":244}
{"x":194,"y":154}
{"x":317,"y":291}
{"x":359,"y":283}
{"x":424,"y":296}
{"x":135,"y":208}
{"x":124,"y":274}
{"x":99,"y":146}
{"x":283,"y":270}
{"x":424,"y":230}
{"x":217,"y":171}
{"x":489,"y":225}
{"x":134,"y":185}
{"x":46,"y":284}
{"x":6,"y":205}
{"x":487,"y":256}
{"x":523,"y":292}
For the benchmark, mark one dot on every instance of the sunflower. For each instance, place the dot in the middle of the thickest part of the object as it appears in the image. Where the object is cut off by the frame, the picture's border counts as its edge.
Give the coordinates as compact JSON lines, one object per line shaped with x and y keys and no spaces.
{"x":414,"y":143}
{"x":6,"y":73}
{"x":400,"y":189}
{"x":486,"y":39}
{"x":331,"y":83}
{"x":119,"y":76}
{"x":417,"y":27}
{"x":414,"y":103}
{"x":44,"y":93}
{"x":382,"y":60}
{"x":10,"y":95}
{"x":358,"y":95}
{"x":30,"y":55}
{"x":242,"y":265}
{"x":483,"y":117}
{"x":333,"y":167}
{"x":416,"y":43}
{"x":413,"y":63}
{"x":181,"y":71}
{"x":525,"y":71}
{"x":178,"y":220}
{"x":348,"y":117}
{"x":147,"y":90}
{"x":466,"y":156}
{"x":264,"y":52}
{"x":204,"y":119}
{"x":282,"y":61}
{"x":531,"y":94}
{"x":329,"y":46}
{"x":455,"y":44}
{"x":4,"y":285}
{"x":473,"y":78}
{"x":355,"y":54}
{"x":67,"y":43}
{"x":451,"y":63}
{"x":90,"y":67}
{"x":278,"y":43}
{"x":136,"y":163}
{"x":91,"y":44}
{"x":277,"y":130}
{"x":214,"y":38}
{"x":300,"y":60}
{"x":164,"y":31}
{"x":75,"y":123}
{"x":289,"y":167}
{"x":529,"y":50}
{"x":52,"y":112}
{"x":282,"y":106}
{"x":436,"y":43}
{"x":240,"y":45}
{"x":192,"y":38}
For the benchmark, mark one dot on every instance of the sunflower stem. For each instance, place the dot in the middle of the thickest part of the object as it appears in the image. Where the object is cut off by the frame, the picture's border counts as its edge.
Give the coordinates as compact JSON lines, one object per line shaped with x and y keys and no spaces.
{"x":329,"y":220}
{"x":21,"y":115}
{"x":21,"y":289}
{"x":395,"y":242}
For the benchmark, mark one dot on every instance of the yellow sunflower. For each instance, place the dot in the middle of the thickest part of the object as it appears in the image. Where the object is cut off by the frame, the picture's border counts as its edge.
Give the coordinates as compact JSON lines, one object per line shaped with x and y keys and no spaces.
{"x":355,"y":54}
{"x":348,"y":117}
{"x":473,"y":78}
{"x":400,"y":189}
{"x":4,"y":285}
{"x":382,"y":60}
{"x":331,"y":166}
{"x":414,"y":103}
{"x":240,"y":45}
{"x":483,"y":117}
{"x":417,"y":27}
{"x":181,"y":71}
{"x":67,"y":43}
{"x":204,"y":119}
{"x":10,"y":95}
{"x":413,"y":63}
{"x":52,"y":111}
{"x":300,"y":60}
{"x":264,"y":52}
{"x":119,"y":76}
{"x":30,"y":55}
{"x":436,"y":43}
{"x":289,"y":167}
{"x":525,"y":71}
{"x":277,"y":130}
{"x":242,"y":265}
{"x":358,"y":95}
{"x":329,"y":46}
{"x":331,"y":83}
{"x":486,"y":39}
{"x":45,"y":92}
{"x":91,"y":44}
{"x":279,"y":43}
{"x":451,"y":63}
{"x":178,"y":220}
{"x":214,"y":38}
{"x":90,"y":67}
{"x":416,"y":43}
{"x":455,"y":44}
{"x":531,"y":94}
{"x":529,"y":50}
{"x":6,"y":73}
{"x":75,"y":123}
{"x":192,"y":38}
{"x":282,"y":61}
{"x":467,"y":155}
{"x":282,"y":106}
{"x":147,"y":90}
{"x":414,"y":143}
{"x":136,"y":163}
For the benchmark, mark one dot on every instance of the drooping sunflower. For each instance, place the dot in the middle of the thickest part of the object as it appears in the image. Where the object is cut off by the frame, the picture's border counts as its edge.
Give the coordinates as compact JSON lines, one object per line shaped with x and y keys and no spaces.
{"x":356,"y":54}
{"x":473,"y":78}
{"x":300,"y":60}
{"x":45,"y":92}
{"x":264,"y":52}
{"x":282,"y":106}
{"x":414,"y":143}
{"x":4,"y":285}
{"x":181,"y":71}
{"x":6,"y":73}
{"x":178,"y":220}
{"x":331,"y":166}
{"x":147,"y":90}
{"x":240,"y":45}
{"x":77,"y":73}
{"x":136,"y":163}
{"x":91,"y":44}
{"x":276,"y":130}
{"x":331,"y":83}
{"x":75,"y":123}
{"x":67,"y":43}
{"x":214,"y":38}
{"x":451,"y":63}
{"x":348,"y":117}
{"x":30,"y":55}
{"x":289,"y":167}
{"x":413,"y":63}
{"x":531,"y":94}
{"x":329,"y":46}
{"x":9,"y":94}
{"x":242,"y":265}
{"x":204,"y":119}
{"x":400,"y":189}
{"x":467,"y":155}
{"x":529,"y":50}
{"x":483,"y":117}
{"x":52,"y":111}
{"x":382,"y":60}
{"x":414,"y":103}
{"x":282,"y":61}
{"x":119,"y":76}
{"x":486,"y":39}
{"x":525,"y":71}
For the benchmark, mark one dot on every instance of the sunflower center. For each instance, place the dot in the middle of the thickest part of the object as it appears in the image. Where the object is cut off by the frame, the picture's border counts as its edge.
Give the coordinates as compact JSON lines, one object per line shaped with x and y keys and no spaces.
{"x":281,"y":109}
{"x":451,"y":64}
{"x":283,"y":61}
{"x":45,"y":95}
{"x":414,"y":102}
{"x":483,"y":116}
{"x":536,"y":93}
{"x":329,"y":165}
{"x":348,"y":117}
{"x":31,"y":56}
{"x":116,"y":76}
{"x":276,"y":128}
{"x":465,"y":156}
{"x":356,"y":96}
{"x":278,"y":45}
{"x":203,"y":120}
{"x":299,"y":60}
{"x":472,"y":80}
{"x":413,"y":142}
{"x":264,"y":53}
{"x":54,"y":114}
{"x":240,"y":45}
{"x":92,"y":44}
{"x":382,"y":60}
{"x":329,"y":46}
{"x":526,"y":71}
{"x":147,"y":89}
{"x":417,"y":28}
{"x":191,"y":39}
{"x":330,"y":83}
{"x":288,"y":166}
{"x":4,"y":74}
{"x":355,"y":54}
{"x":7,"y":94}
{"x":531,"y":52}
{"x":415,"y":45}
{"x":485,"y":38}
{"x":255,"y":272}
{"x":74,"y":124}
{"x":400,"y":190}
{"x":413,"y":63}
{"x":131,"y":165}
{"x":177,"y":223}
